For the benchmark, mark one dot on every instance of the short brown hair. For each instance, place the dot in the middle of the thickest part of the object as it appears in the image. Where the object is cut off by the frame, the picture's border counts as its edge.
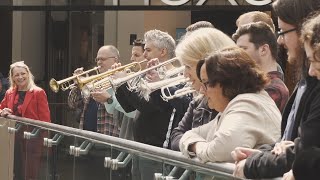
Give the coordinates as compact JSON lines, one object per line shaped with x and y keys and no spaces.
{"x":139,"y":42}
{"x":235,"y":71}
{"x":260,"y":33}
{"x":198,"y":25}
{"x":256,"y":17}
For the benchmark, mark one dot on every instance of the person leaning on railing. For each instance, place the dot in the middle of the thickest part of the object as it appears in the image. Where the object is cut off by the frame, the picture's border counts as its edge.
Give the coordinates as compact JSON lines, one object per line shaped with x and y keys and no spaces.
{"x":247,"y":117}
{"x":25,"y":99}
{"x":306,"y":146}
{"x":195,"y":46}
{"x":302,"y":109}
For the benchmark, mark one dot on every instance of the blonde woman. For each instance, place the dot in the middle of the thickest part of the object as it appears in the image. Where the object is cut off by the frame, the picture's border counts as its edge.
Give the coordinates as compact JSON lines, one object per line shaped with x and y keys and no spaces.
{"x":194,"y":46}
{"x":25,"y":99}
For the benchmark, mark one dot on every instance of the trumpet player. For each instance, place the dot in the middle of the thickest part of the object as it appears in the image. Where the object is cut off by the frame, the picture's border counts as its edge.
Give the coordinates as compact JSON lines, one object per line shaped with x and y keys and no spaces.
{"x":94,"y":116}
{"x":137,"y":52}
{"x":155,"y":116}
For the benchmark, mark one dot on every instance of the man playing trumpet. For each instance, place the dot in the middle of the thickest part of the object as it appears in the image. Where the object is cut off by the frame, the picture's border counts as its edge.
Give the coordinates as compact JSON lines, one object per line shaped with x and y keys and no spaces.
{"x":156,"y":116}
{"x":94,"y":116}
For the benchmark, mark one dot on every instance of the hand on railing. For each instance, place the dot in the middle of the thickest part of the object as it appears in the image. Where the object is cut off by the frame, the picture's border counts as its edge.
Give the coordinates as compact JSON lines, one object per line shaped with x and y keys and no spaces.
{"x":5,"y":112}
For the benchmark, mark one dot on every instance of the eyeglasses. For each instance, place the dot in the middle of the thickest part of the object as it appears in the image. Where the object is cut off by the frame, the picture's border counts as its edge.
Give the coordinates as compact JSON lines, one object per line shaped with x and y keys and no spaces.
{"x":205,"y":85}
{"x":103,"y":59}
{"x":282,"y":33}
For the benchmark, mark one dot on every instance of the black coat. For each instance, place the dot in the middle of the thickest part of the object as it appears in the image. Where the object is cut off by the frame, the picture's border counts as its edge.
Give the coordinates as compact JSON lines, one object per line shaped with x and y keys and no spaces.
{"x":151,"y":123}
{"x":307,"y":125}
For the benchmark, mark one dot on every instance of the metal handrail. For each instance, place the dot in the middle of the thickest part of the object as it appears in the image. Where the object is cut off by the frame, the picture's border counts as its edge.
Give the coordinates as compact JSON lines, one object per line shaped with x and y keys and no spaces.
{"x":135,"y":148}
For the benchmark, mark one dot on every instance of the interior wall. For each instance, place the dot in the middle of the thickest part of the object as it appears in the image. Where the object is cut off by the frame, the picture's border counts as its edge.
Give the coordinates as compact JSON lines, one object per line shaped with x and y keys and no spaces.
{"x":129,"y":22}
{"x":28,"y":39}
{"x":120,"y":24}
{"x":167,"y":21}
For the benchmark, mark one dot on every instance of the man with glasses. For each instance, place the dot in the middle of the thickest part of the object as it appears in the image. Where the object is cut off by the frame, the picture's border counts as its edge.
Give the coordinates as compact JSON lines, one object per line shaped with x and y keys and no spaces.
{"x":273,"y":160}
{"x":94,"y":116}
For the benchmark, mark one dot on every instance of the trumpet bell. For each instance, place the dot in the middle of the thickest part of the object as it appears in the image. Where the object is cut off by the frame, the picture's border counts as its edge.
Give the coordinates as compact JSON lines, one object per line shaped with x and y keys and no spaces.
{"x":54,"y":86}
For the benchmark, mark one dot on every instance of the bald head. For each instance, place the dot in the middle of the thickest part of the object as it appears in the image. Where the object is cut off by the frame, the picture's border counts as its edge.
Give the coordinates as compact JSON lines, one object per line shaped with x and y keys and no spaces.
{"x":107,"y":55}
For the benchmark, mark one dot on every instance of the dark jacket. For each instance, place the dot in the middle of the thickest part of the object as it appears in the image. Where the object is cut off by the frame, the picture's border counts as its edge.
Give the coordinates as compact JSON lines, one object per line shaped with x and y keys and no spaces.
{"x":198,"y":113}
{"x":268,"y":165}
{"x":151,"y":124}
{"x":5,"y":86}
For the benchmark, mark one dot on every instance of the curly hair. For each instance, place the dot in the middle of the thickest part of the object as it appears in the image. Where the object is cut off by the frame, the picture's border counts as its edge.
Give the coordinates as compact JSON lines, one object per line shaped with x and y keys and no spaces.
{"x":310,"y":33}
{"x":235,"y":71}
{"x":161,"y":40}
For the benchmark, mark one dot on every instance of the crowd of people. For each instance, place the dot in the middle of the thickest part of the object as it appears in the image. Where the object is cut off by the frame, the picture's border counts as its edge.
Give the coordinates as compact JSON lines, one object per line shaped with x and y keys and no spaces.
{"x":239,"y":111}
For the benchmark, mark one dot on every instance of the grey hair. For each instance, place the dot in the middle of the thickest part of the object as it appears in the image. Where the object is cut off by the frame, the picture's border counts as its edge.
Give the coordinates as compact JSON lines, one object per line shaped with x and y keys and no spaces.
{"x":161,"y":40}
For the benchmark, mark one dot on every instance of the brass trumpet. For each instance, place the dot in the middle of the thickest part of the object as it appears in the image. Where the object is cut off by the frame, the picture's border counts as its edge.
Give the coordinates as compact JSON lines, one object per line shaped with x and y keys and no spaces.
{"x":102,"y":81}
{"x":119,"y":81}
{"x":69,"y":82}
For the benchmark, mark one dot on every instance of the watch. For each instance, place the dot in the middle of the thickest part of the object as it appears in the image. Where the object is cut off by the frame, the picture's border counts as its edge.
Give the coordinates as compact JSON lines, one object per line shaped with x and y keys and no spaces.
{"x":110,"y":100}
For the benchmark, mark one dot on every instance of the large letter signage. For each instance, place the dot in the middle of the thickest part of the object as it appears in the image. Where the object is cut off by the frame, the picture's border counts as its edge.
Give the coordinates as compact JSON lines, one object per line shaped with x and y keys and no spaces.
{"x":201,"y":2}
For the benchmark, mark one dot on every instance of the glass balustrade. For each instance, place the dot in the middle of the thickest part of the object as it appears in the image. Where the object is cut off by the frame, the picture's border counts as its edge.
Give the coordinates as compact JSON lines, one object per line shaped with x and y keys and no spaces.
{"x":45,"y":151}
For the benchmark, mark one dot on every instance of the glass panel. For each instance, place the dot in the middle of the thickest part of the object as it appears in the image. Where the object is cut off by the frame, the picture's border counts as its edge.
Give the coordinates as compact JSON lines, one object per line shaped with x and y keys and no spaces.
{"x":90,"y":164}
{"x":11,"y":147}
{"x":4,"y":148}
{"x":33,"y":152}
{"x":119,"y":164}
{"x":61,"y":162}
{"x":177,"y":171}
{"x":140,"y":167}
{"x":19,"y":151}
{"x":87,"y":36}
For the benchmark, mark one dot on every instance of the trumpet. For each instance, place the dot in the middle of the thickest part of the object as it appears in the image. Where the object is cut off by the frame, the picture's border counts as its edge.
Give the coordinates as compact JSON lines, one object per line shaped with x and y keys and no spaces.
{"x":102,"y":84}
{"x":115,"y":83}
{"x":146,"y":88}
{"x":69,"y":82}
{"x":187,"y":89}
{"x":102,"y":81}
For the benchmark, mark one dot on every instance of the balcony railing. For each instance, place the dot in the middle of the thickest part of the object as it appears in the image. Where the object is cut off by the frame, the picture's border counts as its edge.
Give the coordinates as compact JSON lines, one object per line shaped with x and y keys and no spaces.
{"x":38,"y":150}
